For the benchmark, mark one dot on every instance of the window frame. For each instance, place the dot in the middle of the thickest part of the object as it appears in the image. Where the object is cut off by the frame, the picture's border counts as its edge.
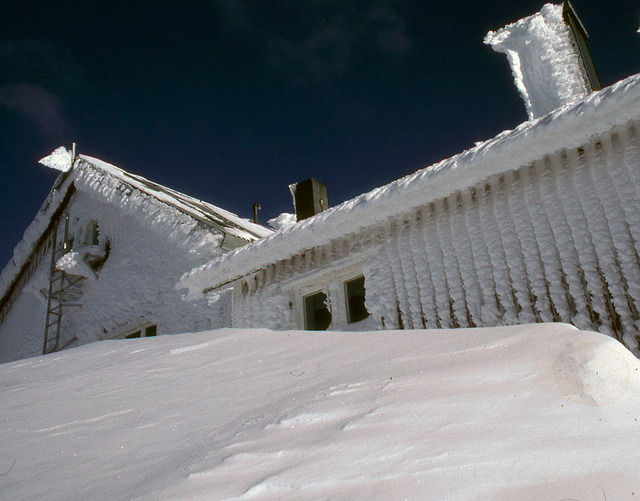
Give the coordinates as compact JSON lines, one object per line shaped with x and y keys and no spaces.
{"x":305,"y":309}
{"x":331,"y":283}
{"x":143,"y":329}
{"x":346,"y":299}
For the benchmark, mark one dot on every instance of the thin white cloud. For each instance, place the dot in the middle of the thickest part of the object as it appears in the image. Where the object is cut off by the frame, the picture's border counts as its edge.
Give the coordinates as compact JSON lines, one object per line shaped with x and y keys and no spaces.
{"x":40,"y":106}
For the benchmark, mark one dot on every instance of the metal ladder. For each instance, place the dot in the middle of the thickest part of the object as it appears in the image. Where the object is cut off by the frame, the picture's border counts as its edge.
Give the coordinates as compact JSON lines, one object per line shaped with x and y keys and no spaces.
{"x":61,"y":285}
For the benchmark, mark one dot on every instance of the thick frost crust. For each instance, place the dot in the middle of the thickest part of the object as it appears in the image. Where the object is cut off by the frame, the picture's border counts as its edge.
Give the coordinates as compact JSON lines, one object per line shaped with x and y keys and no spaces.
{"x":545,"y":62}
{"x":60,"y":160}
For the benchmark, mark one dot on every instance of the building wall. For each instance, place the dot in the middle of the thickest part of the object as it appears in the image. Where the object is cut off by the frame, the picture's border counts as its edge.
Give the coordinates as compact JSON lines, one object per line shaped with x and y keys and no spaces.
{"x":557,"y":240}
{"x":134,"y":286}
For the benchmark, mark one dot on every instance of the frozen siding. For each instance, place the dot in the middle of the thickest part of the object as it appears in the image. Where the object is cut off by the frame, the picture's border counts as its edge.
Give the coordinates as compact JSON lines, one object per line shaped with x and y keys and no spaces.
{"x":135,"y":285}
{"x":556,"y":240}
{"x":559,"y":235}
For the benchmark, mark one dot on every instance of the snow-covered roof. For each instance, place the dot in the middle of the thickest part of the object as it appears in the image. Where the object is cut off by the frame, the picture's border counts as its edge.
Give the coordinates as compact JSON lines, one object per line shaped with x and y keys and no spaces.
{"x":186,"y":220}
{"x":568,"y":127}
{"x":202,"y":211}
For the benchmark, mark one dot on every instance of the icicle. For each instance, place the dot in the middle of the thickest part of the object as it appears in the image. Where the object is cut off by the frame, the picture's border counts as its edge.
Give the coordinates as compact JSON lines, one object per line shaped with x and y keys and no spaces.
{"x":571,"y":181}
{"x":615,"y":235}
{"x":513,"y":252}
{"x":452,"y":270}
{"x":466,"y":260}
{"x":483,"y":269}
{"x":504,"y":292}
{"x":409,"y":272}
{"x":401,"y":294}
{"x":436,"y":266}
{"x":532,"y":261}
{"x":423,"y":272}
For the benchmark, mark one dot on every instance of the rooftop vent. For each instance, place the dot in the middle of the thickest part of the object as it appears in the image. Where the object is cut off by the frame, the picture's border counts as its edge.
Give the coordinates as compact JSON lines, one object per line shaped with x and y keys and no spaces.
{"x":310,"y":197}
{"x":549,"y":57}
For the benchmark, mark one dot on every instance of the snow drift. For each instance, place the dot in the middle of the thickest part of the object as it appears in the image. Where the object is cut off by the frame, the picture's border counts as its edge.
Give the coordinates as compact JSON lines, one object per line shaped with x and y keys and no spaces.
{"x":528,"y":412}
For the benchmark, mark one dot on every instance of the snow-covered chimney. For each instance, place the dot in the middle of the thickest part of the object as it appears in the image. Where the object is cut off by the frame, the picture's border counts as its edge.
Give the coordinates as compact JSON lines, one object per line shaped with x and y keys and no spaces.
{"x":549,"y":58}
{"x":310,"y":197}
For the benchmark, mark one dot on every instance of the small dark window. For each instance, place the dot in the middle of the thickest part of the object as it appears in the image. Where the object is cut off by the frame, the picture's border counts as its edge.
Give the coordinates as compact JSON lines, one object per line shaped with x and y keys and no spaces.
{"x":91,"y":237}
{"x":134,"y":335}
{"x":354,"y":290}
{"x":150,"y":331}
{"x":317,"y":316}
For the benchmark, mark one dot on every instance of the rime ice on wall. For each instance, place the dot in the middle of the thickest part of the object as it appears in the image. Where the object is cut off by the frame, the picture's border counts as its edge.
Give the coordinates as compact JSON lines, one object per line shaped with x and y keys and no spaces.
{"x":555,"y":240}
{"x":135,"y":285}
{"x":558,"y":240}
{"x":544,"y":59}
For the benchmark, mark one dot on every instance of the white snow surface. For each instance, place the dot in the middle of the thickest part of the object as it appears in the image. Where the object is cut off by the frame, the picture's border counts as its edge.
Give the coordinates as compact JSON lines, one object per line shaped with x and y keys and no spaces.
{"x":283,"y":221}
{"x":564,"y":128}
{"x":238,"y":226}
{"x":60,"y":160}
{"x":530,"y":412}
{"x":546,"y":64}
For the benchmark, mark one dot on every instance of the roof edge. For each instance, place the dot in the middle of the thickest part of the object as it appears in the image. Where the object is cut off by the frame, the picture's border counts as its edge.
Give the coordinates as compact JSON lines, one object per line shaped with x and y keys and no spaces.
{"x":566,"y":127}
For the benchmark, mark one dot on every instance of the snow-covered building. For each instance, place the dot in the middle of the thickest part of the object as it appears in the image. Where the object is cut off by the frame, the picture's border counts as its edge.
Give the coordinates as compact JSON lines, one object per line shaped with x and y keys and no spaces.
{"x":539,"y":224}
{"x":102,"y":257}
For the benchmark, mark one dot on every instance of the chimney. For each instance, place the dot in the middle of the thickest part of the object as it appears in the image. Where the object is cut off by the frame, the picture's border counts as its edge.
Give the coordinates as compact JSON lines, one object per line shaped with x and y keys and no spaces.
{"x":549,"y":57}
{"x":310,"y":198}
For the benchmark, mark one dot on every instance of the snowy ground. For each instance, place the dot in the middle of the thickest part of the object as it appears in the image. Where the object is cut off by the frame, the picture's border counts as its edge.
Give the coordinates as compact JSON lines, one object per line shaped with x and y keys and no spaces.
{"x":530,"y":412}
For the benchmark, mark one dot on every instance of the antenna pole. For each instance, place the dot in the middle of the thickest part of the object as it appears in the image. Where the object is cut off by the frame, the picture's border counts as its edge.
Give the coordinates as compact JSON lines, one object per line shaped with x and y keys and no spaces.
{"x":256,"y":208}
{"x":74,"y":154}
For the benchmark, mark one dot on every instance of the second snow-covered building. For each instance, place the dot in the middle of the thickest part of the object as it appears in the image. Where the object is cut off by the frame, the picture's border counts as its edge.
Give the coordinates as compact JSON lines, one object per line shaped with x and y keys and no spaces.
{"x":102,"y":258}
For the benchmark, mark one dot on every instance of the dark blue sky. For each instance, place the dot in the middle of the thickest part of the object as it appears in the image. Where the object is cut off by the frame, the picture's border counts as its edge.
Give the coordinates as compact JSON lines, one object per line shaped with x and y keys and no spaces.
{"x":232,"y":100}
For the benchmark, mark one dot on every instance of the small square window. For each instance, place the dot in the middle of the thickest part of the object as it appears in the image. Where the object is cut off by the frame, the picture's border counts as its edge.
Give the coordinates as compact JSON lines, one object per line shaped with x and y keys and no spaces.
{"x":150,"y":331}
{"x":354,"y":292}
{"x":317,"y":316}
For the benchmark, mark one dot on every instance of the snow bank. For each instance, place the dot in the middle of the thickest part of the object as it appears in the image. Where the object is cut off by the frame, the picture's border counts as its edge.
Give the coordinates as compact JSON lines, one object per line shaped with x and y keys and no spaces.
{"x":527,"y":413}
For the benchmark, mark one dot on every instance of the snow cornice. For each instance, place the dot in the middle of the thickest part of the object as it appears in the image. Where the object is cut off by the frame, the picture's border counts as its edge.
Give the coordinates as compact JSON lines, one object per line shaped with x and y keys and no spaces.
{"x":568,"y":127}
